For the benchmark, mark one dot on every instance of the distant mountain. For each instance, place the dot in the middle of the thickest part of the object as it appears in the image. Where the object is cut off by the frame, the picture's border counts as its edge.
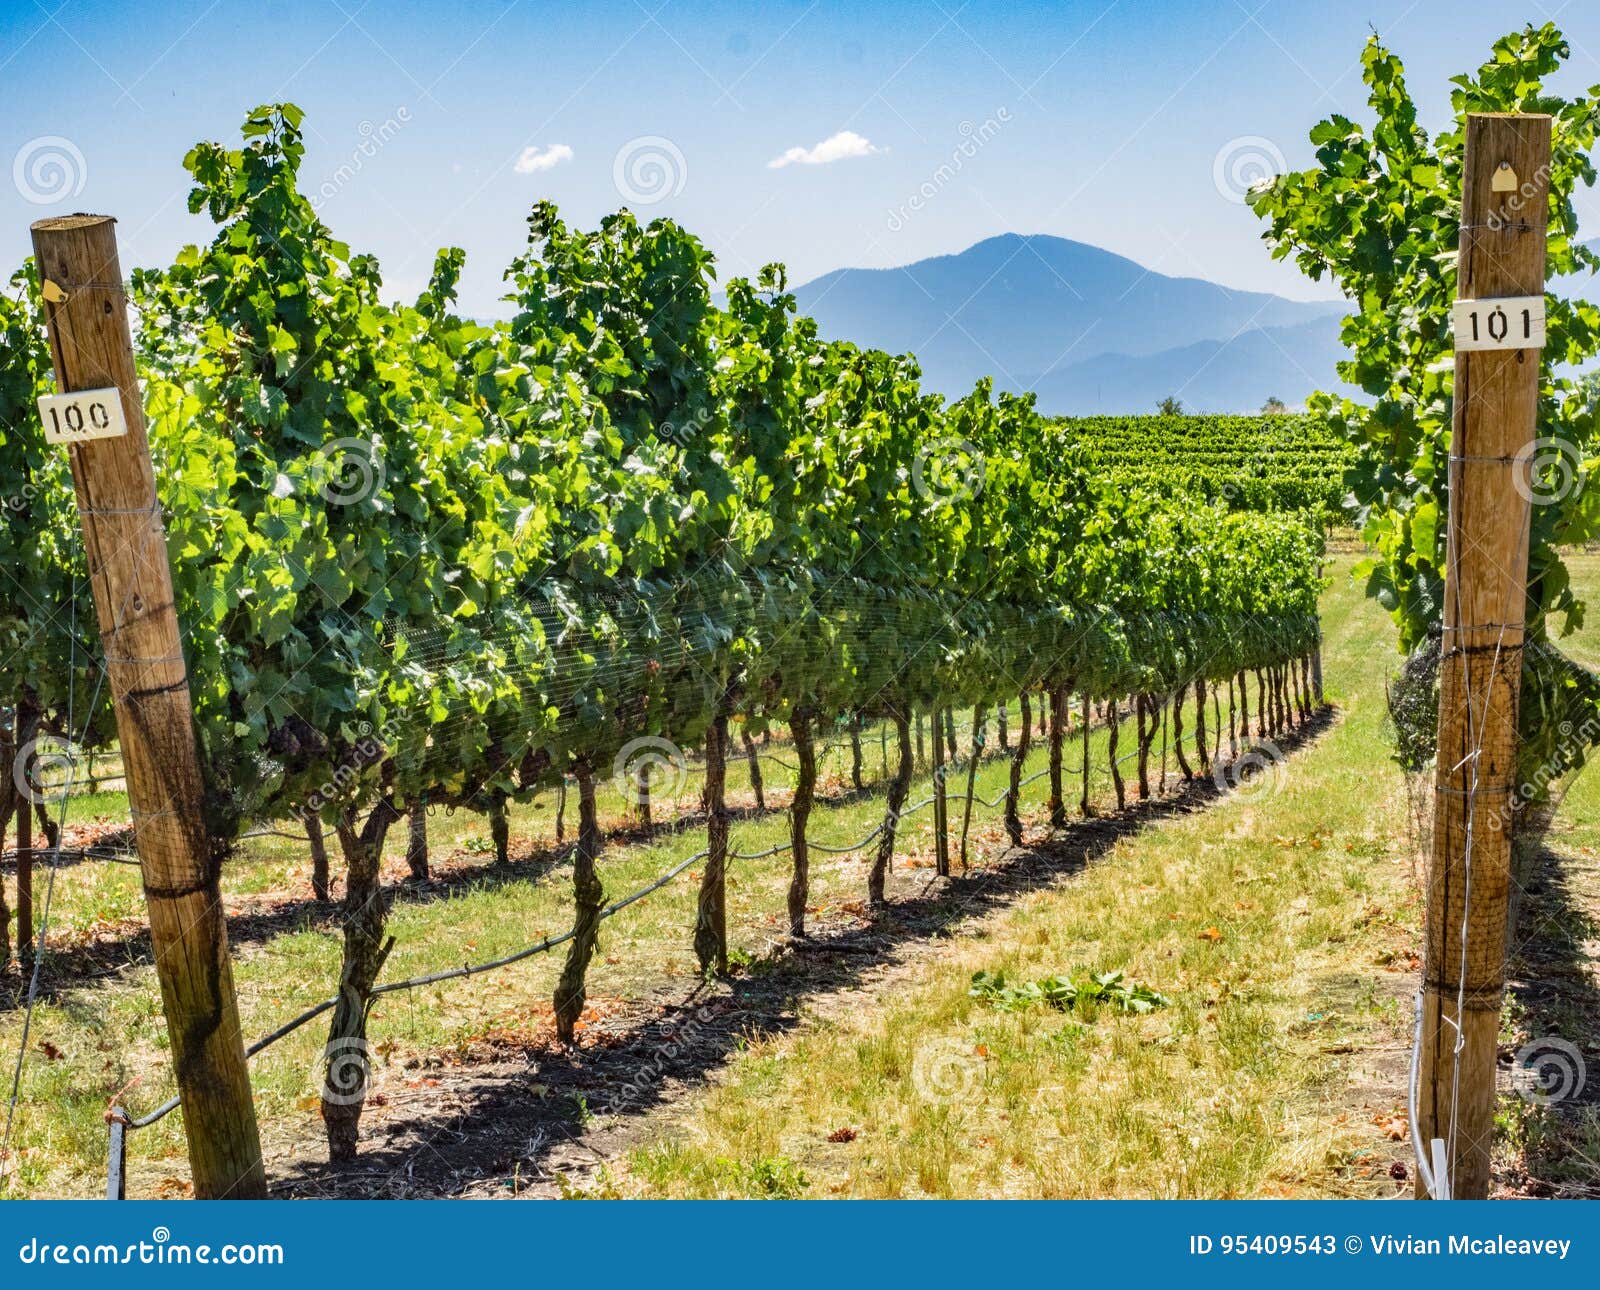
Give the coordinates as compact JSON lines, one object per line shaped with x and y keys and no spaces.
{"x":1079,"y":323}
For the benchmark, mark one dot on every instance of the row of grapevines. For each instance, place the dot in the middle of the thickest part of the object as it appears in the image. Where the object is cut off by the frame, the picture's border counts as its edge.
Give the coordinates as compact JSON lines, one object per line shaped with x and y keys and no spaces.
{"x":421,"y":558}
{"x":49,"y":677}
{"x":1260,"y":463}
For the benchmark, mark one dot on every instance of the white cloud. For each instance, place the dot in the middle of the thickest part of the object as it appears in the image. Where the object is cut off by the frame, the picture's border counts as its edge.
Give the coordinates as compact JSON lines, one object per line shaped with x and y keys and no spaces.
{"x":533,"y":159}
{"x":836,"y":147}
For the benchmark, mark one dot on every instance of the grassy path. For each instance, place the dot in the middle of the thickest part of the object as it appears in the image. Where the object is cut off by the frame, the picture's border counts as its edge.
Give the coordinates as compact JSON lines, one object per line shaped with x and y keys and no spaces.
{"x":1278,"y":921}
{"x":99,"y":1034}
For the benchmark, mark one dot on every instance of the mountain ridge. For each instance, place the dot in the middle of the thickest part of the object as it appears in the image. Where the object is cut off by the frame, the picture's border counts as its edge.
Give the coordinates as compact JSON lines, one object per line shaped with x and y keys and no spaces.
{"x":1028,"y":308}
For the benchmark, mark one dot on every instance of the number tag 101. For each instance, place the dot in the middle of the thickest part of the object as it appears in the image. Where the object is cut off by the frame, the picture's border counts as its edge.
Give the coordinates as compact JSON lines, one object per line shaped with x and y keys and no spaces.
{"x":88,"y":414}
{"x":1510,"y":322}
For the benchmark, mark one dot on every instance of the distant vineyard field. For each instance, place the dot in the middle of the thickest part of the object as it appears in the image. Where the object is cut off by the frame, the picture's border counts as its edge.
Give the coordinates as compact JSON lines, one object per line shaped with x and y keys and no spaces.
{"x":1257,"y":463}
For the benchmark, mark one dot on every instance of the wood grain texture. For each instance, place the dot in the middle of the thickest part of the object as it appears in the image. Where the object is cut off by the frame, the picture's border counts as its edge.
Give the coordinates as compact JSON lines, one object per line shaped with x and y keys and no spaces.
{"x":1469,"y":875}
{"x":125,"y":541}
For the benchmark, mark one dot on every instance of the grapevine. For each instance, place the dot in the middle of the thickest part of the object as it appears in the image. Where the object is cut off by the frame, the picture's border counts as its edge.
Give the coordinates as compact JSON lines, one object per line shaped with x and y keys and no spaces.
{"x":419,"y":559}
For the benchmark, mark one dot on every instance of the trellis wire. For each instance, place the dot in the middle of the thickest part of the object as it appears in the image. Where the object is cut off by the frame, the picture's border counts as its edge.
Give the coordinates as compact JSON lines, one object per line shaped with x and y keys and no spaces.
{"x":121,"y":1123}
{"x":548,"y":943}
{"x":50,"y":883}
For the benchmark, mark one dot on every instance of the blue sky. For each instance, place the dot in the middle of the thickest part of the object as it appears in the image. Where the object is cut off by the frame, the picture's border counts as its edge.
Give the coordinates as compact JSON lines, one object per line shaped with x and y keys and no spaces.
{"x":1126,"y":124}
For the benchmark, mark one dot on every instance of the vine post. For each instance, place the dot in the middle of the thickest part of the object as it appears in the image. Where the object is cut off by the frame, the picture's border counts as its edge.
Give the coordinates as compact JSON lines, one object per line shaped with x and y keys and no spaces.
{"x":24,"y":881}
{"x":941,"y":807}
{"x":975,"y":754}
{"x":1505,"y":177}
{"x":711,"y":919}
{"x":125,"y":541}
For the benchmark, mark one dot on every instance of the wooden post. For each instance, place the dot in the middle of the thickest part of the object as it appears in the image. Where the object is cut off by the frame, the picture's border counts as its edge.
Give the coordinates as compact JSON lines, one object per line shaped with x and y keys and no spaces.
{"x":1496,"y":404}
{"x":125,"y":541}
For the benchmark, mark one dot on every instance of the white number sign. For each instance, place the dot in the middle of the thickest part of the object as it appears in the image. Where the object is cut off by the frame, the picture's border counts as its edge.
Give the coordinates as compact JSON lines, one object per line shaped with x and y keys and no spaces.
{"x":88,"y":414}
{"x":1511,"y":322}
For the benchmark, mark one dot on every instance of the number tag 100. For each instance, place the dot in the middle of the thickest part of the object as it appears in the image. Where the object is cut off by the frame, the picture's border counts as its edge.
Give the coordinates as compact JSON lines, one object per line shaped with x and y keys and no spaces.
{"x":1510,"y":322}
{"x":88,"y":414}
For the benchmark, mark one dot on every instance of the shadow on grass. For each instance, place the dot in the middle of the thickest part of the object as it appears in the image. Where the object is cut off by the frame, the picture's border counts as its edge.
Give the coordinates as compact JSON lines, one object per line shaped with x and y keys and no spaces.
{"x":525,"y":1110}
{"x":1554,"y":978}
{"x":63,"y":970}
{"x":107,"y":956}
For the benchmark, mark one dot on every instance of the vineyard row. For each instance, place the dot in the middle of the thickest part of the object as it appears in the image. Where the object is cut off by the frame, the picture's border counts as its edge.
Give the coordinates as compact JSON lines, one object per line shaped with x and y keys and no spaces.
{"x":420,"y":558}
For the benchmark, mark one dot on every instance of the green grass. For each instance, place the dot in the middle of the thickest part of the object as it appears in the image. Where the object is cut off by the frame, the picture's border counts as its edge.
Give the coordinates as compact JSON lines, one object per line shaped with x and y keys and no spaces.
{"x":1279,"y":924}
{"x":112,"y":1037}
{"x":1275,"y":923}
